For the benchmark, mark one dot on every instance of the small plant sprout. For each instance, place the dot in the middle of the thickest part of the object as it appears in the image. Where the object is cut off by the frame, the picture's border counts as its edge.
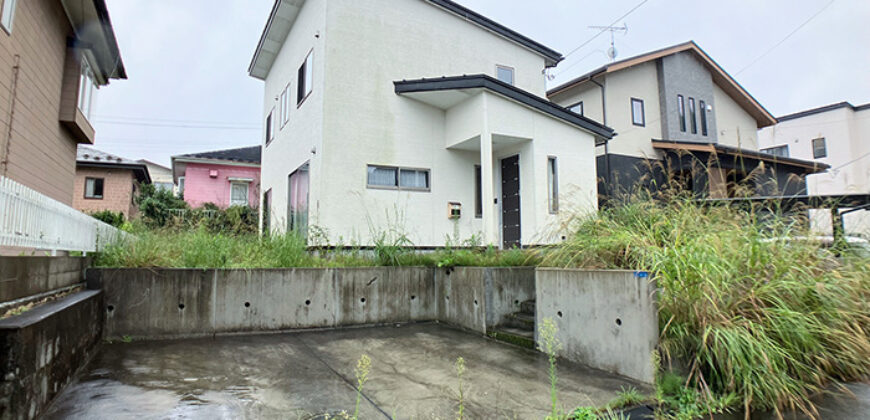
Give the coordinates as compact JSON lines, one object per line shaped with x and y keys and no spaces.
{"x":550,"y":345}
{"x":460,"y":370}
{"x":363,"y":367}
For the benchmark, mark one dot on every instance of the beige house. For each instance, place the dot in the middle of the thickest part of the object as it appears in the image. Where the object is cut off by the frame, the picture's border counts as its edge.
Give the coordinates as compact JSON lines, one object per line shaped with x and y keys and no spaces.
{"x":54,"y":57}
{"x":161,"y":176}
{"x":107,"y":182}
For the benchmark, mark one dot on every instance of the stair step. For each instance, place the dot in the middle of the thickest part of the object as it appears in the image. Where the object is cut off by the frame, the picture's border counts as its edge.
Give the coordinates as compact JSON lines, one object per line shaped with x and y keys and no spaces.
{"x":522,"y":338}
{"x":520,"y":320}
{"x":528,"y":307}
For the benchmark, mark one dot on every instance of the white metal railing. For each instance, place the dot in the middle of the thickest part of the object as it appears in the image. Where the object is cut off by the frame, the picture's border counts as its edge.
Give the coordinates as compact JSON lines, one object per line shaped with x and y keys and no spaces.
{"x":29,"y":219}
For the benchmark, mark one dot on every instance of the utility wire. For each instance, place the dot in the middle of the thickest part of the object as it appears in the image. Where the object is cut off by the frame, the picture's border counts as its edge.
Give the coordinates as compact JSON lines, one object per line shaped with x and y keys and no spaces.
{"x":146,"y":124}
{"x":786,"y":37}
{"x":102,"y":117}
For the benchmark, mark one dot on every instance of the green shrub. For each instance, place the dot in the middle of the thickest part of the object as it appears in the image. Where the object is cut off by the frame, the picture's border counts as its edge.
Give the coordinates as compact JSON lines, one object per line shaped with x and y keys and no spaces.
{"x":115,"y":219}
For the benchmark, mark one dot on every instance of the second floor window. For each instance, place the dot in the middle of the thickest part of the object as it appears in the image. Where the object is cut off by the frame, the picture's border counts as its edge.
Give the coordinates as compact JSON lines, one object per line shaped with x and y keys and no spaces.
{"x":781,"y":151}
{"x":693,"y":116}
{"x":7,"y":14}
{"x":87,"y":89}
{"x":285,"y":106}
{"x":270,"y":133}
{"x":681,"y":108}
{"x":505,"y":74}
{"x":637,"y":113}
{"x":820,"y":148}
{"x":94,"y":188}
{"x":305,"y":82}
{"x":703,"y":118}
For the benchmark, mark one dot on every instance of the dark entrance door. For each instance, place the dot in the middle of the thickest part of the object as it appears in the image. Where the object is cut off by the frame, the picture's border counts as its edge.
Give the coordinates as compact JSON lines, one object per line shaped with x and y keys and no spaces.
{"x":510,"y":201}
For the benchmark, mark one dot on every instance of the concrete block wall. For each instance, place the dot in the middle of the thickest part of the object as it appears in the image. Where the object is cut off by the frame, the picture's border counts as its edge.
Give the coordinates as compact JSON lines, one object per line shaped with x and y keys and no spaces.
{"x":26,"y":276}
{"x":606,"y":319}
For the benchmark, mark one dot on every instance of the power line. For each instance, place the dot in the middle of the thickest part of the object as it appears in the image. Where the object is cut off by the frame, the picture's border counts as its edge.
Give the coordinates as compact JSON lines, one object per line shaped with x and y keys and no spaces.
{"x":605,"y":30}
{"x":199,"y":126}
{"x":786,"y":37}
{"x":147,"y":119}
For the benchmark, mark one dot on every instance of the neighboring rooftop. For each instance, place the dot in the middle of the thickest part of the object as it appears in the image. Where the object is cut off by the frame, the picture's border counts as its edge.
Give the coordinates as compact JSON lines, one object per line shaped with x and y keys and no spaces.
{"x":822,"y":109}
{"x":250,"y":155}
{"x":720,"y":77}
{"x":808,"y":166}
{"x":481,"y":81}
{"x":284,"y":14}
{"x":90,"y":157}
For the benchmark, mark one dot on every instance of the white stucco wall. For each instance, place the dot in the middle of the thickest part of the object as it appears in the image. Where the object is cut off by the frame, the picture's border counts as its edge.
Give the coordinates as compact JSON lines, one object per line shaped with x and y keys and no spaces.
{"x":737,"y":128}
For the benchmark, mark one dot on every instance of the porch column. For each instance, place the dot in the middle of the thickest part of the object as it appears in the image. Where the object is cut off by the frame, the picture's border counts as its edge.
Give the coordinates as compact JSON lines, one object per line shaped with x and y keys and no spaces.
{"x":490,"y":221}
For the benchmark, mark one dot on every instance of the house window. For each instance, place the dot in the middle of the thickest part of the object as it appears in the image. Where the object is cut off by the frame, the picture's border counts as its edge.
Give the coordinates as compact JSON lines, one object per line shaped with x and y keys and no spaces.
{"x":553,"y":185}
{"x":87,"y":89}
{"x":267,"y":212}
{"x":577,"y":108}
{"x":285,"y":106}
{"x":94,"y":188}
{"x":181,"y":185}
{"x":681,"y":107}
{"x":637,"y":113}
{"x":478,"y":193}
{"x":7,"y":14}
{"x":781,"y":151}
{"x":820,"y":149}
{"x":304,"y":83}
{"x":238,"y":194}
{"x":505,"y":74}
{"x":692,"y":115}
{"x":270,"y":133}
{"x":703,"y":118}
{"x":398,"y":178}
{"x":163,"y":186}
{"x":297,"y":200}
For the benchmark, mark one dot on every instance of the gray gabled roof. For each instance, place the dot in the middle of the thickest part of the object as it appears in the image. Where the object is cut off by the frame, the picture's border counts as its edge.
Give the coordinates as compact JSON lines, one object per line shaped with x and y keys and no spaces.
{"x":251,"y":155}
{"x":90,"y":157}
{"x":822,"y":109}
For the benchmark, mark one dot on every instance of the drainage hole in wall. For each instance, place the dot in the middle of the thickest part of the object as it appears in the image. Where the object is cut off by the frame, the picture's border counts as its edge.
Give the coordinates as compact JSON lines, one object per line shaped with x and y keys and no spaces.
{"x":181,"y":306}
{"x":413,"y":297}
{"x":618,"y":322}
{"x":475,"y":302}
{"x":363,"y":300}
{"x":447,"y":297}
{"x":308,"y":302}
{"x":516,"y":302}
{"x":247,"y":304}
{"x":559,"y":313}
{"x":110,"y":308}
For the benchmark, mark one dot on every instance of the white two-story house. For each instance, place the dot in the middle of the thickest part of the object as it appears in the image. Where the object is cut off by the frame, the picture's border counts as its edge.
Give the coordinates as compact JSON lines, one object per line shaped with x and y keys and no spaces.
{"x":835,"y":135}
{"x":418,"y":117}
{"x":680,"y":118}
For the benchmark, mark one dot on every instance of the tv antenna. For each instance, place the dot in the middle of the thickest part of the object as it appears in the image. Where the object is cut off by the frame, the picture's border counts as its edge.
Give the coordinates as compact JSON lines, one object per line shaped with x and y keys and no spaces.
{"x":612,"y":52}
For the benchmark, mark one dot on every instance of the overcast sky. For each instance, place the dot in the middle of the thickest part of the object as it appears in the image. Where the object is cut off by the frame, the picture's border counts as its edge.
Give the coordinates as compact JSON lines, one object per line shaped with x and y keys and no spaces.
{"x":189,"y":91}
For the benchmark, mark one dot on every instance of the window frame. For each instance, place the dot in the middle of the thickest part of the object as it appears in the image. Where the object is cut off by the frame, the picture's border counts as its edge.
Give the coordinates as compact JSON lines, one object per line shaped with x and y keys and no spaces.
{"x":305,"y":79}
{"x":102,"y":188}
{"x":642,"y":112}
{"x":693,"y":114}
{"x":7,"y":20}
{"x":681,"y":110}
{"x":769,"y":150}
{"x":702,"y":106}
{"x":270,"y":126}
{"x":88,"y":88}
{"x":285,"y":106}
{"x":478,"y":192}
{"x":553,"y":184}
{"x":571,"y":108}
{"x":499,"y":67}
{"x":824,"y":143}
{"x":247,"y":193}
{"x":181,"y":185}
{"x":398,"y":185}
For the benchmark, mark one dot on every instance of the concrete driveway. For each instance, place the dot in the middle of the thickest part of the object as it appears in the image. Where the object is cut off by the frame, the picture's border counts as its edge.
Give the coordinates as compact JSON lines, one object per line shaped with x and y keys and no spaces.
{"x":302,"y":375}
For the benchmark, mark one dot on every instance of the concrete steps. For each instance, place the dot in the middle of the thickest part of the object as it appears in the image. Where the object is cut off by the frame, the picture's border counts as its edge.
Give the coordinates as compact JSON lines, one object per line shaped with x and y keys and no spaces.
{"x":519,"y":327}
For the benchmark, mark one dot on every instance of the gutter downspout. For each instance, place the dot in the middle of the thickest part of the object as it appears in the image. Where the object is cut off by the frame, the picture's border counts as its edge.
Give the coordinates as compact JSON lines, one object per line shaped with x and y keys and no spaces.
{"x":608,"y":176}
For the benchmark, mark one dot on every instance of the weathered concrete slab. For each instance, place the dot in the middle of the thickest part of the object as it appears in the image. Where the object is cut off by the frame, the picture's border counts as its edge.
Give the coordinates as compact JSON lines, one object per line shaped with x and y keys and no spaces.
{"x":25,"y":276}
{"x":606,"y":319}
{"x":293,"y":376}
{"x":41,"y":350}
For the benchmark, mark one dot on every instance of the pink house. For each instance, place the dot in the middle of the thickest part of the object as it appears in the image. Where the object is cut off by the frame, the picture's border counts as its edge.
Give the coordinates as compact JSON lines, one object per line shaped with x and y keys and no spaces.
{"x":222,"y":177}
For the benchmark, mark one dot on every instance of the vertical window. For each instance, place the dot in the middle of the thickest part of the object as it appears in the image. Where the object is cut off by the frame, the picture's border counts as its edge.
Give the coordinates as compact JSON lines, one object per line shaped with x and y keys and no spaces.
{"x":577,"y":108}
{"x":87,"y":89}
{"x":692,"y":116}
{"x":681,"y":107}
{"x":505,"y":74}
{"x":270,"y":134}
{"x":267,"y":212}
{"x":297,"y":201}
{"x":703,"y":118}
{"x":637,"y":113}
{"x":553,"y":184}
{"x":94,"y":188}
{"x":304,"y":83}
{"x":7,"y":14}
{"x":478,"y":193}
{"x":820,"y":149}
{"x":238,"y":194}
{"x":181,"y":185}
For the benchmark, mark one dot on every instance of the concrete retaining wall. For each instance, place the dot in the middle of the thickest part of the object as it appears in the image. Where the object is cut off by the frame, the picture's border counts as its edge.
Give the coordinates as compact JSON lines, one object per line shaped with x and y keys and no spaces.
{"x":26,"y":276}
{"x":41,"y":350}
{"x":607,"y":319}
